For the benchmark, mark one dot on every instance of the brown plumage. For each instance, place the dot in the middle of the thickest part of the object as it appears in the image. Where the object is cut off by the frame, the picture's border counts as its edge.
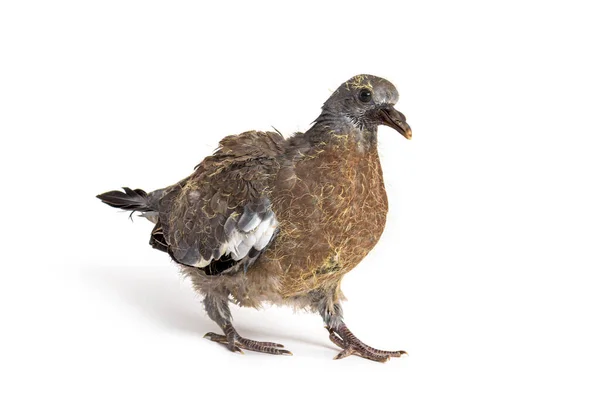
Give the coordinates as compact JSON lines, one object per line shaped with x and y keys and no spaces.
{"x":269,"y":219}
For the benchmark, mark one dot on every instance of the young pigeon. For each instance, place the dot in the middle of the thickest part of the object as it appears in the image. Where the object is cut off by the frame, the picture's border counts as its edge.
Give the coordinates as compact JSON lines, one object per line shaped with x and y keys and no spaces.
{"x":272,"y":220}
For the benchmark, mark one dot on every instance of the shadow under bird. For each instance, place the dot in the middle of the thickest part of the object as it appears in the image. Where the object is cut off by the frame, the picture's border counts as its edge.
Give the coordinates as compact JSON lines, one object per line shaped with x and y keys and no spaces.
{"x":281,"y":221}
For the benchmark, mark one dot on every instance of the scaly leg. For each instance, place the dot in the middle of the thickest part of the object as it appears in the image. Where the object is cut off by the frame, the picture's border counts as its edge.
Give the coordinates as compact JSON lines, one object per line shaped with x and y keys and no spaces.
{"x":217,"y":307}
{"x":342,"y":337}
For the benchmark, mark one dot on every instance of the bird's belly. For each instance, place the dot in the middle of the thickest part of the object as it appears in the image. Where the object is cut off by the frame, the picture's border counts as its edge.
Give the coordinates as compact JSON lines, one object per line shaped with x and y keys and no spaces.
{"x":349,"y":233}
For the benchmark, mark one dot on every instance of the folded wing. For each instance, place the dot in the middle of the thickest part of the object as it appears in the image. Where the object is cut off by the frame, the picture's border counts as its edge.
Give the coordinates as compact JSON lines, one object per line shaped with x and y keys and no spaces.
{"x":220,"y":218}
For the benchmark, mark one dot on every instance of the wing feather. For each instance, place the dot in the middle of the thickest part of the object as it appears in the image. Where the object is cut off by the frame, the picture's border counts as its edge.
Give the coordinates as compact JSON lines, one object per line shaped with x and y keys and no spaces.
{"x":222,"y":212}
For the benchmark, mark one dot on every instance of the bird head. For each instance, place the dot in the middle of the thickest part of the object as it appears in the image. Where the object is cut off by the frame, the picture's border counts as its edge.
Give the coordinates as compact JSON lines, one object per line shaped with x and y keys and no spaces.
{"x":367,"y":102}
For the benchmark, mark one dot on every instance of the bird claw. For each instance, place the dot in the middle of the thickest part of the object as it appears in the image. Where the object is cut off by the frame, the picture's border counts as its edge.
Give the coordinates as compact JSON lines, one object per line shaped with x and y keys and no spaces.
{"x":236,"y":349}
{"x":238,"y":344}
{"x":351,"y":345}
{"x":344,"y":353}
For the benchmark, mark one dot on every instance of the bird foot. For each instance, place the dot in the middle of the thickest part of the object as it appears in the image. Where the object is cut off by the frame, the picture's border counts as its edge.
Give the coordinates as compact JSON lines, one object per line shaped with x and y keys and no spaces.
{"x":236,"y":343}
{"x":351,"y":345}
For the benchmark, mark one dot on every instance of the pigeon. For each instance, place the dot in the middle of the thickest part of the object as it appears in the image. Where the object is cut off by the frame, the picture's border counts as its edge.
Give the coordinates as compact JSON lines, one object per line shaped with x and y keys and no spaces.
{"x":274,"y":220}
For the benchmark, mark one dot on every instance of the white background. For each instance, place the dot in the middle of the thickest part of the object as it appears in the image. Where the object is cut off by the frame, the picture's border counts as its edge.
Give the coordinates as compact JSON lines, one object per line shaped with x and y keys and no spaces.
{"x":487,"y":273}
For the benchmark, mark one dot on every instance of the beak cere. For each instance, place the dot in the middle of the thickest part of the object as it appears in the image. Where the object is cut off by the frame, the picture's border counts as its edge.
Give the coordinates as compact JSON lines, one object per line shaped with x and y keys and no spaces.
{"x":395,"y":119}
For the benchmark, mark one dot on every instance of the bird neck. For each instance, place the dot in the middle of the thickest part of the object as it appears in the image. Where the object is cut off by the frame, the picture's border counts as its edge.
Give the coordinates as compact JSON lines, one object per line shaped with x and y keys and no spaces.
{"x":335,"y":128}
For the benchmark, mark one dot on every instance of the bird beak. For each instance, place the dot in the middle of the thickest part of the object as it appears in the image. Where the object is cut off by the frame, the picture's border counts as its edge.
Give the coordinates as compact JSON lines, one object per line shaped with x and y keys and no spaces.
{"x":396,"y":120}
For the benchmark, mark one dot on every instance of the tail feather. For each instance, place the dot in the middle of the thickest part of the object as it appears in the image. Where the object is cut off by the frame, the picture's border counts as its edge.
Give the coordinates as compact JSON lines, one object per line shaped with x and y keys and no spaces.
{"x":131,"y":199}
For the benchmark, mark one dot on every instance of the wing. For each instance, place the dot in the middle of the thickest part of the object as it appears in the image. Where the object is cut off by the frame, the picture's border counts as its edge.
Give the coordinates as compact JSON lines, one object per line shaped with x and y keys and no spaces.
{"x":220,"y":217}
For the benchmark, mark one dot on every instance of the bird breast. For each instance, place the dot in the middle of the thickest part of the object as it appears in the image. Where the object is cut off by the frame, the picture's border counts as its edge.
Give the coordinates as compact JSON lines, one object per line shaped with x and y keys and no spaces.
{"x":332,"y":208}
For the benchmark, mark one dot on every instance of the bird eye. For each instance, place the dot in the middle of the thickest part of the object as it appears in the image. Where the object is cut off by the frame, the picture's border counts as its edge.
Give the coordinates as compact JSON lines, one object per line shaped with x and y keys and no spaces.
{"x":365,"y":95}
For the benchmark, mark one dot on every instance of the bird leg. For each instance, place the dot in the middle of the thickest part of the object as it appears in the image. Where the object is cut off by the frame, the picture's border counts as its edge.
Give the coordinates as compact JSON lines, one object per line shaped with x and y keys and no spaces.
{"x":342,"y":337}
{"x":345,"y":339}
{"x":217,"y":308}
{"x":237,"y":343}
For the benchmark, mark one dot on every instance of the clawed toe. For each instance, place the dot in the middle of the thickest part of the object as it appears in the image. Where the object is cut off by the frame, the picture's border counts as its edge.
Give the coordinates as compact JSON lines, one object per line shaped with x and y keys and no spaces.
{"x":215,"y":337}
{"x":364,"y":353}
{"x":351,"y":345}
{"x":238,"y":344}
